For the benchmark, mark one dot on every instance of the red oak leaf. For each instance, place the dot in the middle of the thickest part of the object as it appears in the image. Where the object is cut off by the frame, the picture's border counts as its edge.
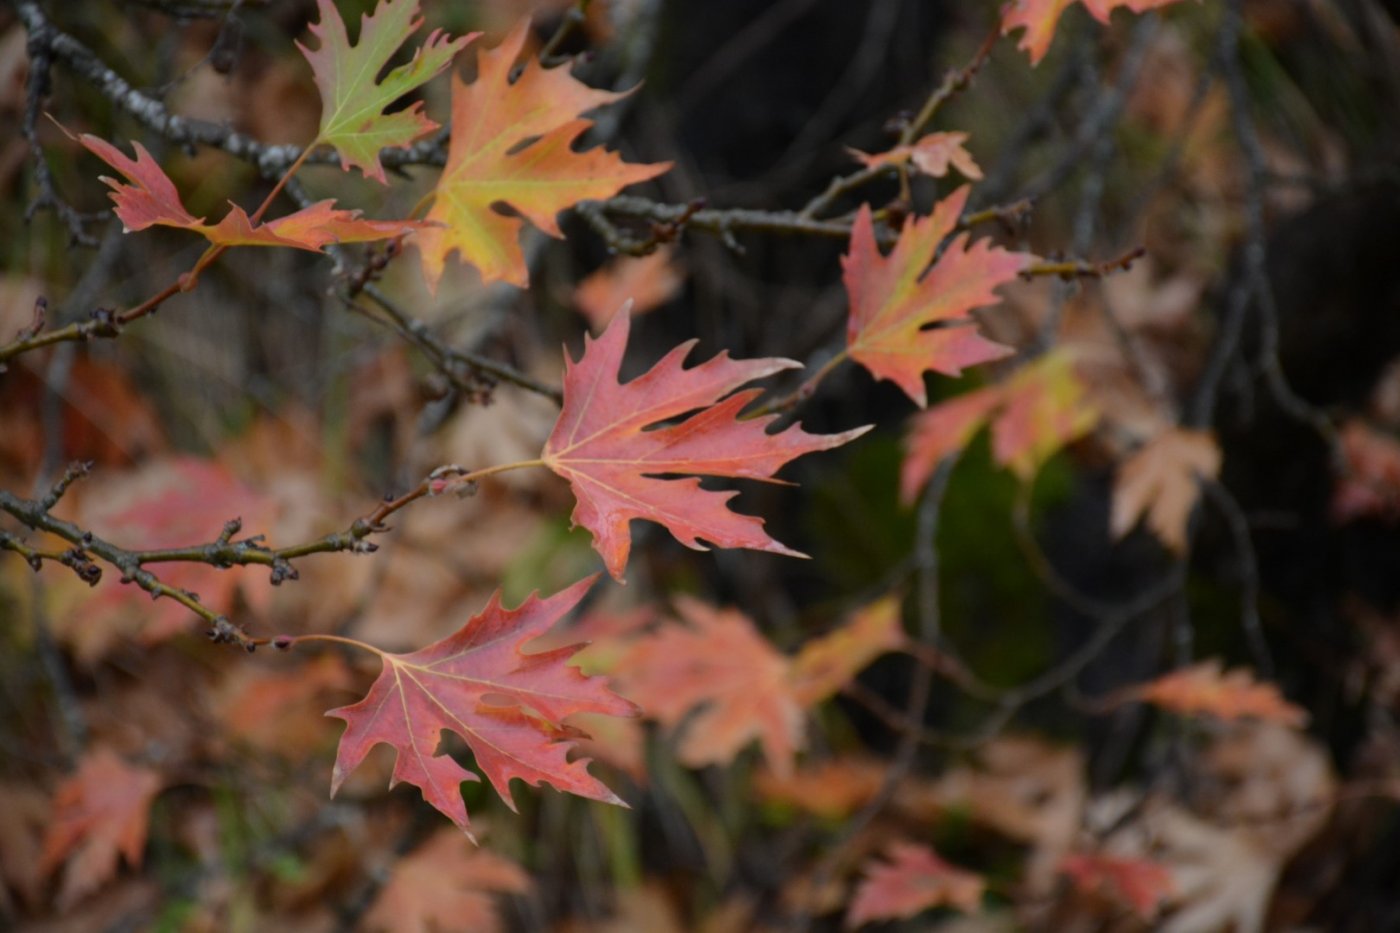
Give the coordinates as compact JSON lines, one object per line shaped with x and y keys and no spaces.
{"x":1037,"y":411}
{"x":101,"y":812}
{"x":603,"y":446}
{"x":353,"y":97}
{"x":151,"y":200}
{"x":1207,"y":689}
{"x":509,"y":707}
{"x":1140,"y":883}
{"x":512,"y":143}
{"x":1039,"y":18}
{"x":914,"y":880}
{"x":903,"y":321}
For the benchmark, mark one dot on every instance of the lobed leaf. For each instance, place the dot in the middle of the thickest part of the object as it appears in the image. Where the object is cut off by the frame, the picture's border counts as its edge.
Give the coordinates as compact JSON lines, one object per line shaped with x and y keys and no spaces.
{"x":512,"y":144}
{"x":150,"y":199}
{"x":354,"y":98}
{"x":509,"y":707}
{"x":904,"y":322}
{"x":608,"y":445}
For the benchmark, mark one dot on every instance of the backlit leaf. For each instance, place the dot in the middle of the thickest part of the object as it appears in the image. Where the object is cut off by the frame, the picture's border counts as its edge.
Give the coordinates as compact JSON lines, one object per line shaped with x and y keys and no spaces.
{"x":904,"y":322}
{"x":353,"y":98}
{"x":512,"y":143}
{"x":509,"y":707}
{"x":608,"y":446}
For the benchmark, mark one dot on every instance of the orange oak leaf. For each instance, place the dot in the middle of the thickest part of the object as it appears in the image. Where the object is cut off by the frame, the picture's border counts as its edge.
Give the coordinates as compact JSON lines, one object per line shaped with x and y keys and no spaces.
{"x":646,"y":281}
{"x":353,"y":98}
{"x":1207,"y":689}
{"x":1140,"y":883}
{"x":724,"y":685}
{"x":826,"y":664}
{"x":1039,"y":17}
{"x":931,"y":154}
{"x":1037,"y":411}
{"x":151,"y":200}
{"x":716,"y":662}
{"x":914,"y":879}
{"x":509,"y":707}
{"x":606,"y":443}
{"x":512,"y":143}
{"x":445,"y":884}
{"x":904,"y":322}
{"x":1161,"y":481}
{"x":101,"y":812}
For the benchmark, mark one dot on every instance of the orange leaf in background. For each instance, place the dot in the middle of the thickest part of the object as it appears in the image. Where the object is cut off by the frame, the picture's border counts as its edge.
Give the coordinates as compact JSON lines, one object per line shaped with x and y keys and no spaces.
{"x":903,"y":321}
{"x":1039,"y":18}
{"x":167,"y":503}
{"x":353,"y":99}
{"x":743,"y":688}
{"x":826,"y":664}
{"x":507,"y":705}
{"x":512,"y":143}
{"x":1140,"y":883}
{"x":716,"y":662}
{"x":646,"y":281}
{"x":607,"y":445}
{"x":151,"y":200}
{"x":1369,"y":486}
{"x":1205,"y":689}
{"x":914,"y":879}
{"x":1037,"y":411}
{"x":445,"y":884}
{"x":1161,"y":481}
{"x":831,"y":789}
{"x":932,"y":155}
{"x":101,"y":812}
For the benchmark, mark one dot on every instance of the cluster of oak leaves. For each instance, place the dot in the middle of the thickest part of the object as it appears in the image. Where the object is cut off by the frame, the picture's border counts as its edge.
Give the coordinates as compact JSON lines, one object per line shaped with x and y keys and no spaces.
{"x":515,"y":693}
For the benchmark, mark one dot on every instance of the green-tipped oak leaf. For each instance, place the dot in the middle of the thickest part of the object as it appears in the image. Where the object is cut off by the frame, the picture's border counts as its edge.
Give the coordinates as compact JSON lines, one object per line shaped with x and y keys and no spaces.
{"x":615,"y":441}
{"x":354,"y":98}
{"x":903,"y":321}
{"x":512,"y":143}
{"x":508,"y":705}
{"x":148,"y":198}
